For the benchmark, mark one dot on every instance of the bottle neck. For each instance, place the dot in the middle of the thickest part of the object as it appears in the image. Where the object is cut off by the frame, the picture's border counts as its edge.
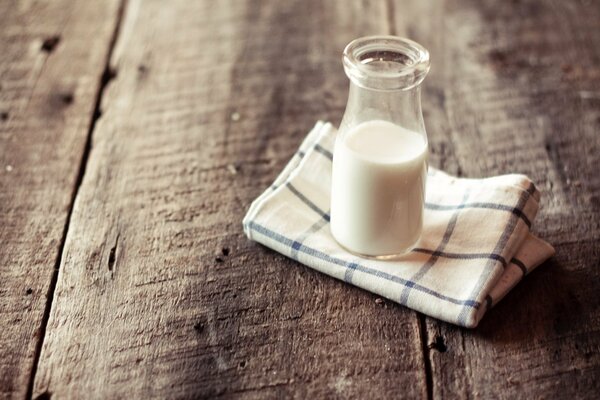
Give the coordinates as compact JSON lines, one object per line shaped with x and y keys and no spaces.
{"x":402,"y":107}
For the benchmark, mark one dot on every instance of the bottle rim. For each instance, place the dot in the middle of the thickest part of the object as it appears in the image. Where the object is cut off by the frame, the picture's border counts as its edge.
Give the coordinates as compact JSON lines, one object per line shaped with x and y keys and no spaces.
{"x":386,"y":62}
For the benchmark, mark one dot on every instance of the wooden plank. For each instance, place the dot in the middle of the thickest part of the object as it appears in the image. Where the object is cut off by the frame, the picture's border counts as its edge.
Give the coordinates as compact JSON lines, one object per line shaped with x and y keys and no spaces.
{"x":159,"y":293}
{"x":52,"y":54}
{"x":515,"y":87}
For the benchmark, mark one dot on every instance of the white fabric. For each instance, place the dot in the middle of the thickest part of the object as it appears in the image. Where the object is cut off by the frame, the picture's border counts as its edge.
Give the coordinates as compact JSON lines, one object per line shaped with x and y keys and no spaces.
{"x":476,"y":244}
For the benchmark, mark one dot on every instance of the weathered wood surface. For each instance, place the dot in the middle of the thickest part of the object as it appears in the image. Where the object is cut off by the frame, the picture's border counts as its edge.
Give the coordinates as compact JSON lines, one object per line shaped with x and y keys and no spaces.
{"x":159,"y":294}
{"x":52,"y":55}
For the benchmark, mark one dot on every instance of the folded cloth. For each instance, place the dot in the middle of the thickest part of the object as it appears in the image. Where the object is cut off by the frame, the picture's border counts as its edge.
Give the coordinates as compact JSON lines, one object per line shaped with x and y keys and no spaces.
{"x":474,"y":249}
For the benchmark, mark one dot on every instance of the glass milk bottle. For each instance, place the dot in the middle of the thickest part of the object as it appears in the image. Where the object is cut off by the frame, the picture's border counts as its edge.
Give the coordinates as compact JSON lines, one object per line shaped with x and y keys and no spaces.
{"x":380,"y":155}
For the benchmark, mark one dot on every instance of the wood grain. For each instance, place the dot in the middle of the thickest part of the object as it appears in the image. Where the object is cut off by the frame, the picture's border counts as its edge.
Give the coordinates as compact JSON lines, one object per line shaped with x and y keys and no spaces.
{"x":52,"y":54}
{"x":515,"y":87}
{"x":159,"y":293}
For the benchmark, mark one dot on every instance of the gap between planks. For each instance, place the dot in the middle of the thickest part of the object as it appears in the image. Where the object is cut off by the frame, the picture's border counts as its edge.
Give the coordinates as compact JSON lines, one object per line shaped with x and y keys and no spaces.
{"x":107,"y":75}
{"x":425,"y":351}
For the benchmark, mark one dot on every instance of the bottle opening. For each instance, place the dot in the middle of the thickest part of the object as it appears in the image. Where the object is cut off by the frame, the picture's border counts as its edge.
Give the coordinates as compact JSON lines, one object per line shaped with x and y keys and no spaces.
{"x":386,"y":62}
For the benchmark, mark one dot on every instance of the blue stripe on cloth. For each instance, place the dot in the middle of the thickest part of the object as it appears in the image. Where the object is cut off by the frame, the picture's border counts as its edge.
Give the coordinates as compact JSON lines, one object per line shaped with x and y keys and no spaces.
{"x":308,"y":202}
{"x":356,"y":266}
{"x":463,"y":256}
{"x":323,"y":151}
{"x":350,"y":272}
{"x":311,"y":230}
{"x":519,"y":264}
{"x":300,"y":154}
{"x":493,"y":206}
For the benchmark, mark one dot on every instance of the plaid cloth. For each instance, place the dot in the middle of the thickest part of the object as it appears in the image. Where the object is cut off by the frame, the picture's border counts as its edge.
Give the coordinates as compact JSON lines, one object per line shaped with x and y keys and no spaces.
{"x":476,"y":245}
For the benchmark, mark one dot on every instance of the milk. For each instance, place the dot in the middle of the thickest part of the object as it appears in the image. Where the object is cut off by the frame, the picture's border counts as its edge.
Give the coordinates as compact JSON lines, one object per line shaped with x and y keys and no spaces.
{"x":378,"y":188}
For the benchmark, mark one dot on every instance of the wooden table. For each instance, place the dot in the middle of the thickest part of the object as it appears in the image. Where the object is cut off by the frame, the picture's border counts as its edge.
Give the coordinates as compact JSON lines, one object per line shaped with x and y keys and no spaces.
{"x":134,"y":135}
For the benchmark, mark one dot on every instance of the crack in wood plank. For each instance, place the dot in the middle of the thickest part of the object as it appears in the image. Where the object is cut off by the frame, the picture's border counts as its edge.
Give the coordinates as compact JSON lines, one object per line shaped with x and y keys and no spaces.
{"x":112,"y":255}
{"x":425,"y":350}
{"x":46,"y":99}
{"x":106,"y":77}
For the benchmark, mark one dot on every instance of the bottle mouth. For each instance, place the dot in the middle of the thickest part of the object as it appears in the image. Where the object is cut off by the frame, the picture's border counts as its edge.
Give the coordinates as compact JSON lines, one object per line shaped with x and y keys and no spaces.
{"x":386,"y":62}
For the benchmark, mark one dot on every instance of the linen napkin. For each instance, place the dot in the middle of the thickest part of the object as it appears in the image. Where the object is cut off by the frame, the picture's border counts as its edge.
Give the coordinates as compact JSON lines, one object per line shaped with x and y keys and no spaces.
{"x":475,"y":247}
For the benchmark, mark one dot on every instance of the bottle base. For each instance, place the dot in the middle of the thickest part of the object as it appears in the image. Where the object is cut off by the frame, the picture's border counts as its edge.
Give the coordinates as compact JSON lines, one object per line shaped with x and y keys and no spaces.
{"x":379,"y":257}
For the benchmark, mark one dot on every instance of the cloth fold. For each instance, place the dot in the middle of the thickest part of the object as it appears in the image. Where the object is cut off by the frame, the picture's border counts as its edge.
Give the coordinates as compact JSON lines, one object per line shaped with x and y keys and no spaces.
{"x":475,"y":247}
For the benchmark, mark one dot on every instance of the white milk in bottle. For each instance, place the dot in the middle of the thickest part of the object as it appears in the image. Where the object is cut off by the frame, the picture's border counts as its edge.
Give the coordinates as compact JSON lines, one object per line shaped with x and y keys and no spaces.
{"x":378,"y":188}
